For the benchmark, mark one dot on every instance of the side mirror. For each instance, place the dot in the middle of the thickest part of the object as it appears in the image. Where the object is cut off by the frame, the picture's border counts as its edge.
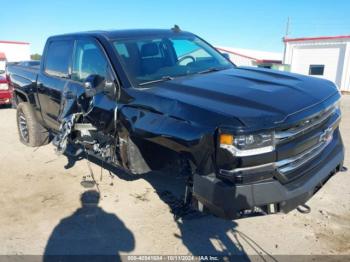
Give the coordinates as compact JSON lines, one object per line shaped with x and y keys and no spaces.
{"x":95,"y":83}
{"x":110,"y":89}
{"x":91,"y":84}
{"x":226,"y":55}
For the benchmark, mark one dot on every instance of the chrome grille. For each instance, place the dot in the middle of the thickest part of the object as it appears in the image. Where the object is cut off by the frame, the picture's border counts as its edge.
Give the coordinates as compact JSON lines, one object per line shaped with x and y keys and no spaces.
{"x":288,"y":165}
{"x":305,"y":125}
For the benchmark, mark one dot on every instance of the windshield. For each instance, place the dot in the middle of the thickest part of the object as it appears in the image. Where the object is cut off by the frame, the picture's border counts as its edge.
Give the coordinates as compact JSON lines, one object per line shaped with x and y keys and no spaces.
{"x":150,"y":60}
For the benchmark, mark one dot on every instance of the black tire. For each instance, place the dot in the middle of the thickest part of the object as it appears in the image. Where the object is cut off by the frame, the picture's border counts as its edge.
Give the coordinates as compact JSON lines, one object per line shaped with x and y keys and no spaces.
{"x":31,"y":132}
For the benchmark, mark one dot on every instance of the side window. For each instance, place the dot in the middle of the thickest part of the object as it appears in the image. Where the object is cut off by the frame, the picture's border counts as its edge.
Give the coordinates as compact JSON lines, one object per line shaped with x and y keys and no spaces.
{"x":316,"y":70}
{"x":88,"y":60}
{"x":58,"y":58}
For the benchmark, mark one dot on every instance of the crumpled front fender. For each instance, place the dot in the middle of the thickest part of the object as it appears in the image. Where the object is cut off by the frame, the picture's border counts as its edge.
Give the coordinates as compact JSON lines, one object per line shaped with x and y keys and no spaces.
{"x":183,"y":137}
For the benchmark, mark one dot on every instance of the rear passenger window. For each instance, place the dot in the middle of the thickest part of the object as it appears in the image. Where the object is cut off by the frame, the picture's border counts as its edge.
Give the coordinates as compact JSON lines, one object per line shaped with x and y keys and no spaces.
{"x":58,"y":58}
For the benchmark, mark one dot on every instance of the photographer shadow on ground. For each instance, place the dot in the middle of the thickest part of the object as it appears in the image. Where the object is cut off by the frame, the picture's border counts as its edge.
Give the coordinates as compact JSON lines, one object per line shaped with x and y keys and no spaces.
{"x":201,"y":233}
{"x":89,"y":231}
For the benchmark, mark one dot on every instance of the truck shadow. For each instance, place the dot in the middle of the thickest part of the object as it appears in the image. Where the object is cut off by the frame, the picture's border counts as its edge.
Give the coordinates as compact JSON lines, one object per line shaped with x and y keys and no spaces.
{"x":201,"y":233}
{"x":89,"y":233}
{"x":5,"y":106}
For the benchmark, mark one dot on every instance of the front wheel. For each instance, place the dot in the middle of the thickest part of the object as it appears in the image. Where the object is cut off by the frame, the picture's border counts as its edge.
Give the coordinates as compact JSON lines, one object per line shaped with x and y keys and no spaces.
{"x":31,"y":132}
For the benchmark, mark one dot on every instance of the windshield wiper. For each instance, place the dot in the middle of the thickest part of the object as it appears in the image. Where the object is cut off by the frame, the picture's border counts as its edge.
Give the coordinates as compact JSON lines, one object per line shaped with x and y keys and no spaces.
{"x":164,"y":78}
{"x":209,"y":70}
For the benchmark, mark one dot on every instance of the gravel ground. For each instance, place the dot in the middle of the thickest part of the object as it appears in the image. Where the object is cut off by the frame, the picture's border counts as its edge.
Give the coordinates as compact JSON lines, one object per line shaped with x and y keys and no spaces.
{"x":42,"y":213}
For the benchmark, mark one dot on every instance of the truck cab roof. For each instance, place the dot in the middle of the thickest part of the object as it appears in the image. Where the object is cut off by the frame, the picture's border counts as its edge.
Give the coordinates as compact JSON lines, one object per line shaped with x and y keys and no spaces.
{"x":124,"y":33}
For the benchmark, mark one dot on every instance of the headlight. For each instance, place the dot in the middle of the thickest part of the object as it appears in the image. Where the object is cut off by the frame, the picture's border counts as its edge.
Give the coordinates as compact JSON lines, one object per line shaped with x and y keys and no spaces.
{"x":247,"y":145}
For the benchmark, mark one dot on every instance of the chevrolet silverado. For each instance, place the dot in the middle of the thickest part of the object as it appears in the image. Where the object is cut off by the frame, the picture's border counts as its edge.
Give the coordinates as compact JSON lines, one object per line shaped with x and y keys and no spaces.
{"x":247,"y":138}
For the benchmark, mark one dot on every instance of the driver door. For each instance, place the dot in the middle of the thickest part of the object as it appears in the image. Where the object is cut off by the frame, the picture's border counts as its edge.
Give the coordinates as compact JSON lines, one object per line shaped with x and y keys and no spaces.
{"x":89,"y":59}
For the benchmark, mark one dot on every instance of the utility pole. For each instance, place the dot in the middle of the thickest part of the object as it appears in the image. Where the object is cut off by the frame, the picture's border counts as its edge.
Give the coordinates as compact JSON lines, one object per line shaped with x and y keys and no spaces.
{"x":287,"y":26}
{"x":286,"y":35}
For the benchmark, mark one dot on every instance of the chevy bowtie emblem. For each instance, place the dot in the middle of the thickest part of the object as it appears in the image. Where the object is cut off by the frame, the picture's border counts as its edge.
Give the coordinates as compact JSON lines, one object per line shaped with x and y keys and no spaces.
{"x":327,"y":135}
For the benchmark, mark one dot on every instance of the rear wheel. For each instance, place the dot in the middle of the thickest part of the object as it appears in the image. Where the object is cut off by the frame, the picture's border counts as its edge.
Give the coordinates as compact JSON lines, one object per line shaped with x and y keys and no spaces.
{"x":31,"y":132}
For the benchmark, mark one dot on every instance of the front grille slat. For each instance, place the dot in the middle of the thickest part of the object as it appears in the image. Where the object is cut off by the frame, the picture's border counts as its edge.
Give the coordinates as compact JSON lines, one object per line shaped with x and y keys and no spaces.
{"x":330,"y":121}
{"x":304,"y":126}
{"x":288,"y":165}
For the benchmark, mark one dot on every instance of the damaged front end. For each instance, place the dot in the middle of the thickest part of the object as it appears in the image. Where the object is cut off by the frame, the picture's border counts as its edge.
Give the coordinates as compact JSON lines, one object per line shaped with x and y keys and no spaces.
{"x":62,"y":139}
{"x":78,"y":132}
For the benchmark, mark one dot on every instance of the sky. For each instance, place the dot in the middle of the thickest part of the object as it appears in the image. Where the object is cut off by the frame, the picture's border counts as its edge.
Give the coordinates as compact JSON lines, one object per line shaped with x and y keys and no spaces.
{"x":250,"y":24}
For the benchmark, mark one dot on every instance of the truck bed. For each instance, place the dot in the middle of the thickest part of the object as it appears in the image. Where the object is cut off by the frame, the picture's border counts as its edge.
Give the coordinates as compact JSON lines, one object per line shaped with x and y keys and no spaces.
{"x":23,"y":72}
{"x":23,"y":80}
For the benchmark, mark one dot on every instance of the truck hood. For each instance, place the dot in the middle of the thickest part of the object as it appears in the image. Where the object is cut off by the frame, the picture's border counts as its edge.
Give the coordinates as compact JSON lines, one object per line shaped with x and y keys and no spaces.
{"x":254,"y":96}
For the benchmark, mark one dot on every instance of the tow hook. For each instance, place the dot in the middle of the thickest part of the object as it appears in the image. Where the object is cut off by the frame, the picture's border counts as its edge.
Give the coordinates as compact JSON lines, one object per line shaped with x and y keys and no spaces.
{"x":304,"y":209}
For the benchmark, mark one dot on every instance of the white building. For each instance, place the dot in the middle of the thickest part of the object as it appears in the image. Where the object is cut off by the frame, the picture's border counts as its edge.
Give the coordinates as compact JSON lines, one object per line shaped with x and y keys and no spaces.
{"x":15,"y":51}
{"x":248,"y":57}
{"x":12,"y":51}
{"x":326,"y":57}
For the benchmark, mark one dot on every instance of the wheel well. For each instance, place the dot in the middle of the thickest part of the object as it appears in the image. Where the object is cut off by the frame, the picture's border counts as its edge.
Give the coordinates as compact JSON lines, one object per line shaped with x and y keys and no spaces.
{"x":156,"y":156}
{"x":20,"y":97}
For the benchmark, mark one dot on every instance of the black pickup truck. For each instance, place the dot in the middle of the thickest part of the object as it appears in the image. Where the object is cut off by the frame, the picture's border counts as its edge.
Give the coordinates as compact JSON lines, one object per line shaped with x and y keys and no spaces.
{"x":247,"y":138}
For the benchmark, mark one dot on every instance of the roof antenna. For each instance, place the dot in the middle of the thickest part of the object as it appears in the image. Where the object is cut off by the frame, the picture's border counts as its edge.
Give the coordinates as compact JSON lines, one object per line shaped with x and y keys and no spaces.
{"x":176,"y":29}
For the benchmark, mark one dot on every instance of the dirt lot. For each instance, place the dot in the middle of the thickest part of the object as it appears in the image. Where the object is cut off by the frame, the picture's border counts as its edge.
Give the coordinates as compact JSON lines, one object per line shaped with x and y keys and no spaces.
{"x":41,"y":211}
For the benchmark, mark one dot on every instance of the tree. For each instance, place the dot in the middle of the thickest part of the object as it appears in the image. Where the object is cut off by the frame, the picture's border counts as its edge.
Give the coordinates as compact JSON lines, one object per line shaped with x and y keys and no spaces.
{"x":35,"y":56}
